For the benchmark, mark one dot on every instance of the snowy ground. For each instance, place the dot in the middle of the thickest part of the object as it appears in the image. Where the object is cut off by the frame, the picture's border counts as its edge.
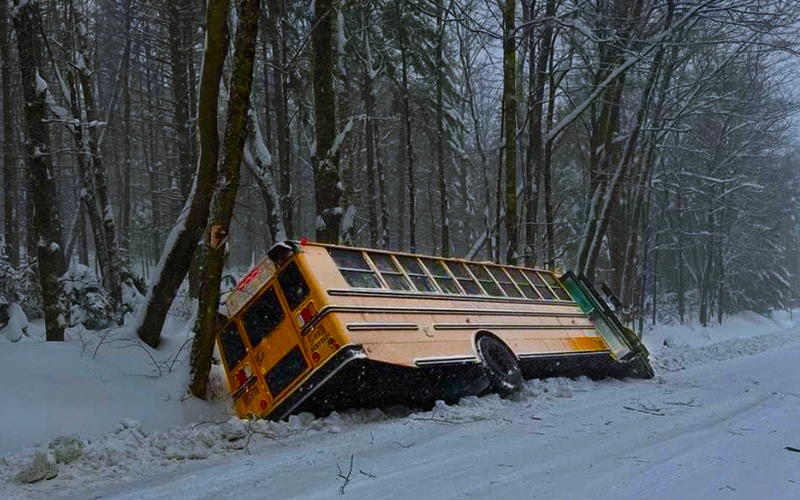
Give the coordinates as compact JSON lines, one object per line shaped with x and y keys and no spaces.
{"x":714,"y":423}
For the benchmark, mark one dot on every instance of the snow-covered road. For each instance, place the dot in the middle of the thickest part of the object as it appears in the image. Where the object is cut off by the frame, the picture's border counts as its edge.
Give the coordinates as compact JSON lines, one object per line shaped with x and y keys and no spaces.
{"x":715,"y":430}
{"x":714,"y":424}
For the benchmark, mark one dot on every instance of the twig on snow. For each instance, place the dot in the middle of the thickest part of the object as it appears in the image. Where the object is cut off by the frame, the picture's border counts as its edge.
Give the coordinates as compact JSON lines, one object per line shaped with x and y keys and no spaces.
{"x":368,"y":474}
{"x":347,"y":477}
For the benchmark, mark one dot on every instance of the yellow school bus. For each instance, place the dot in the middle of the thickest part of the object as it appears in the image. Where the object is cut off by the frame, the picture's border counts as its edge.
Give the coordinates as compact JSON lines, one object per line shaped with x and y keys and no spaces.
{"x":317,"y":327}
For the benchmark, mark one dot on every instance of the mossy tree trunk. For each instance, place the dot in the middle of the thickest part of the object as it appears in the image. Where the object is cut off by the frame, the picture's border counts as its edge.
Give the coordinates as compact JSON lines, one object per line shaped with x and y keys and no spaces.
{"x":224,"y":194}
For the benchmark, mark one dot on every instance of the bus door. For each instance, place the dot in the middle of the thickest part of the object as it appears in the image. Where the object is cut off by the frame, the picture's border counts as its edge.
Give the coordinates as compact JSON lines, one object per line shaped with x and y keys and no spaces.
{"x":601,"y":316}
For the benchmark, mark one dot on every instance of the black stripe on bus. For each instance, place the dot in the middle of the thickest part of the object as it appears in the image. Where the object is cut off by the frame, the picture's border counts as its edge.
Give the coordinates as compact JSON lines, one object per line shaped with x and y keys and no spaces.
{"x":562,"y":354}
{"x":355,"y":327}
{"x":446,"y":361}
{"x":489,"y":326}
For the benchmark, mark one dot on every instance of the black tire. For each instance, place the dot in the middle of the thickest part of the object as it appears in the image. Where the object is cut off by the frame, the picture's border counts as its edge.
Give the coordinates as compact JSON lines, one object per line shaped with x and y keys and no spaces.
{"x":500,"y":366}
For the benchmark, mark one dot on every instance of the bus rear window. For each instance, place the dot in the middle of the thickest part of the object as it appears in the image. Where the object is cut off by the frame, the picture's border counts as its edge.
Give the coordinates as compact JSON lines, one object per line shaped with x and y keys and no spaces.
{"x":262,"y":317}
{"x":294,"y":287}
{"x":232,"y":346}
{"x":282,"y":374}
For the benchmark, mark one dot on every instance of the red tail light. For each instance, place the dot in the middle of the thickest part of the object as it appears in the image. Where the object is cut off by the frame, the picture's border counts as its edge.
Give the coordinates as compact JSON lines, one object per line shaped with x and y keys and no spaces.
{"x":242,"y":376}
{"x":307,"y":314}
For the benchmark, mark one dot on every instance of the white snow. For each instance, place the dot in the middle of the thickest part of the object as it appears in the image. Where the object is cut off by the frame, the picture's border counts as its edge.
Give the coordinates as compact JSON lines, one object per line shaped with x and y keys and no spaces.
{"x":17,"y":324}
{"x":714,"y":424}
{"x":41,"y":85}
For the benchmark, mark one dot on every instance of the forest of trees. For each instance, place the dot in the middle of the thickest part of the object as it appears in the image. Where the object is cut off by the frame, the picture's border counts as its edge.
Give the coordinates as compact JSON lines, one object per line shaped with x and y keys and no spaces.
{"x":645,"y":143}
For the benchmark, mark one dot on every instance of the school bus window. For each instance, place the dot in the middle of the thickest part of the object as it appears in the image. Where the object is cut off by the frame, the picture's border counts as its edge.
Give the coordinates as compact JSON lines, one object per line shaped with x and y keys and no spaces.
{"x":293,"y":285}
{"x":389,"y":271}
{"x":522,"y":283}
{"x":439,"y":273}
{"x":262,"y":317}
{"x":354,"y":268}
{"x":232,"y":346}
{"x":414,"y":271}
{"x":561,"y":294}
{"x":283,"y":374}
{"x":540,"y":285}
{"x":486,"y":281}
{"x":465,"y":279}
{"x":504,"y":281}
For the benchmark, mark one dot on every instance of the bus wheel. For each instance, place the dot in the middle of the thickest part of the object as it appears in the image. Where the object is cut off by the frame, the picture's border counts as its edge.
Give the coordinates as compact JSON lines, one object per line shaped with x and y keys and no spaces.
{"x":500,"y":366}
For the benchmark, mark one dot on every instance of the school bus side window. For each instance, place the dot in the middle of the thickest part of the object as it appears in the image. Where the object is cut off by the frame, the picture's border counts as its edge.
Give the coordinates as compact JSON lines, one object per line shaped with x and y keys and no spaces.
{"x":466,"y":281}
{"x":561,"y":294}
{"x":414,"y":270}
{"x":486,"y":281}
{"x":354,"y":268}
{"x":232,"y":346}
{"x":439,"y":273}
{"x":389,"y":271}
{"x":522,"y":283}
{"x":262,"y":317}
{"x":293,"y":285}
{"x":540,"y":286}
{"x":504,"y":281}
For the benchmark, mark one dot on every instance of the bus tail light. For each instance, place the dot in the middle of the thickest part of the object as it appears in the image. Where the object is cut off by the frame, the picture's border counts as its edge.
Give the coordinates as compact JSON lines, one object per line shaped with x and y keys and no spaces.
{"x":308,"y":312}
{"x":242,"y":376}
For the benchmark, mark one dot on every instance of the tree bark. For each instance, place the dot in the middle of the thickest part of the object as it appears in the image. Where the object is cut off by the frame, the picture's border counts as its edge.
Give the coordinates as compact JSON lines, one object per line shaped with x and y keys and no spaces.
{"x":46,"y":219}
{"x":327,"y":185}
{"x":180,"y":93}
{"x":225,"y":194}
{"x":278,"y":34}
{"x":369,"y":111}
{"x":444,"y":203}
{"x":412,"y":189}
{"x":182,"y":242}
{"x":10,"y":190}
{"x":510,"y":129}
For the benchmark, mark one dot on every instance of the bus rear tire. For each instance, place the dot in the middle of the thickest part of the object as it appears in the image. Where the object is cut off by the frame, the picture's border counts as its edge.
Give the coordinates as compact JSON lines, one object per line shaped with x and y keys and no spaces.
{"x":500,"y":366}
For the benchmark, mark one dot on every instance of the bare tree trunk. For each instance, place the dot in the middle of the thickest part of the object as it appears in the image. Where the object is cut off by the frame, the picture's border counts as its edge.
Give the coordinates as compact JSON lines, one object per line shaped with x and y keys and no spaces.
{"x":383,"y":239}
{"x":225,"y":194}
{"x":108,"y":253}
{"x":412,"y":216}
{"x":125,"y":223}
{"x":177,"y":256}
{"x":328,"y":188}
{"x":259,"y":164}
{"x":443,"y":197}
{"x":10,"y":203}
{"x":402,"y":170}
{"x":278,"y":33}
{"x":369,"y":125}
{"x":46,"y":219}
{"x":510,"y":125}
{"x":180,"y":92}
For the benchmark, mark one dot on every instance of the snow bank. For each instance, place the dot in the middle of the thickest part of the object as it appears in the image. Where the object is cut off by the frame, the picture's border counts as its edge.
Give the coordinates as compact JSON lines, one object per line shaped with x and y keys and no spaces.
{"x":122,"y":414}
